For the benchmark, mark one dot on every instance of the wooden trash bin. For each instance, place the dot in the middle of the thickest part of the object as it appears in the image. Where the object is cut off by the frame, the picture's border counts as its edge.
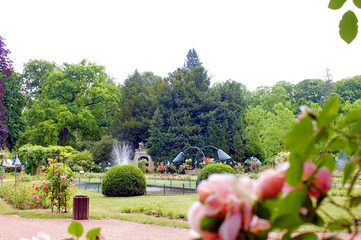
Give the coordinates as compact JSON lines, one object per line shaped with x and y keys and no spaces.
{"x":80,"y":207}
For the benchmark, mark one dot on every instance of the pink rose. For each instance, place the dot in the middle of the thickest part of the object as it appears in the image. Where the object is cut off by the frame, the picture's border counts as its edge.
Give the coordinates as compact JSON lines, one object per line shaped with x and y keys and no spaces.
{"x":60,"y":193}
{"x":320,"y":183}
{"x":71,"y":179}
{"x":43,"y":182}
{"x":195,"y":215}
{"x":270,"y":182}
{"x":258,"y":225}
{"x":227,"y":197}
{"x":59,"y":164}
{"x":62,"y":178}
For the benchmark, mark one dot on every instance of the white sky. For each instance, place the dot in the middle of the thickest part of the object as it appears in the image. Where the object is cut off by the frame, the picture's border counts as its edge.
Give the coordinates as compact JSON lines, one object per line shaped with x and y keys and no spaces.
{"x":256,"y":42}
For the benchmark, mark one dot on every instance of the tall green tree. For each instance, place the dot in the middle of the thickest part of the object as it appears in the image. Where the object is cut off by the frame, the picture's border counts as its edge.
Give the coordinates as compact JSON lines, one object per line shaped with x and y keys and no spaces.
{"x":192,"y":60}
{"x":35,"y":74}
{"x":349,"y":88}
{"x":137,"y":103}
{"x":75,"y":105}
{"x":274,"y":129}
{"x":14,"y":101}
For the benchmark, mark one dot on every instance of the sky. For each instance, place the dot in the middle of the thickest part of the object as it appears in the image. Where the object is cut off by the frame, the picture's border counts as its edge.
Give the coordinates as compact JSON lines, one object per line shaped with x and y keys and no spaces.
{"x":255,"y":42}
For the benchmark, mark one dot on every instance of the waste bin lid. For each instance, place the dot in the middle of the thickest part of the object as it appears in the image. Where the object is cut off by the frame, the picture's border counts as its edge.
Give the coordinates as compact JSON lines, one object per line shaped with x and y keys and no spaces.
{"x":80,"y":195}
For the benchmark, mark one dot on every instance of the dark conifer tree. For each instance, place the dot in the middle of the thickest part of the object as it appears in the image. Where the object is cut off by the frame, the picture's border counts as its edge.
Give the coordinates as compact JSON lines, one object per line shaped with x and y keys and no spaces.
{"x":192,"y":60}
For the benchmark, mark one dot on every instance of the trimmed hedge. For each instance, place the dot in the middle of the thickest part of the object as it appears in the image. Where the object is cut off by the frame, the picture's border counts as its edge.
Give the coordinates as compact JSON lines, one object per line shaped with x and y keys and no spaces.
{"x":215,"y":168}
{"x":124,"y":181}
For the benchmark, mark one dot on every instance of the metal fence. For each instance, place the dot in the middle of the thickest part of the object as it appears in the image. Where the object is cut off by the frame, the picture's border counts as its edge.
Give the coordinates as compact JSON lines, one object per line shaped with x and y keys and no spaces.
{"x":154,"y":186}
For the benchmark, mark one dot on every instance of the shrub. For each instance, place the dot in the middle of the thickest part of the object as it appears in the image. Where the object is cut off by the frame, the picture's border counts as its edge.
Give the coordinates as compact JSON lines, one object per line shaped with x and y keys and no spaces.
{"x":83,"y":160}
{"x":215,"y":168}
{"x":124,"y":181}
{"x":281,"y":157}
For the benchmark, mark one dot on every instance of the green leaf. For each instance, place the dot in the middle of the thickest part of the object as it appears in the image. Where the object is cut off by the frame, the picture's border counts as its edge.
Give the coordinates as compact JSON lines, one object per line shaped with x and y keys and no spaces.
{"x":328,"y":161}
{"x":351,"y":117}
{"x":337,"y":145}
{"x":211,"y":224}
{"x":306,"y":236}
{"x":347,"y":171}
{"x":336,"y":4}
{"x":293,"y":201}
{"x":355,"y":201}
{"x":329,"y":112}
{"x":287,"y":221}
{"x":357,"y":3}
{"x":318,"y":220}
{"x":75,"y":228}
{"x":353,"y":181}
{"x":348,"y":27}
{"x":93,"y":233}
{"x":300,"y":142}
{"x":338,"y":225}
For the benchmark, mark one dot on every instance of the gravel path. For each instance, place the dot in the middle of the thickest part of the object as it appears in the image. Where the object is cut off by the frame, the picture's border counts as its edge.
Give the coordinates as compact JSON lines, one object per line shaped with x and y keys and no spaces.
{"x":13,"y":227}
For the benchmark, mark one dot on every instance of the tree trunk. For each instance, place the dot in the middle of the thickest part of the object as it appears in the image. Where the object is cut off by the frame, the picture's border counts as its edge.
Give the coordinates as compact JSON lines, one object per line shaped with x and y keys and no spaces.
{"x":63,"y":135}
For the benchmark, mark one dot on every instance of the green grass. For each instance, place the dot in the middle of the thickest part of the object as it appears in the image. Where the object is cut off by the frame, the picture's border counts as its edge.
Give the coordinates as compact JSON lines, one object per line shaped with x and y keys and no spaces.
{"x":101,"y":207}
{"x":159,"y":210}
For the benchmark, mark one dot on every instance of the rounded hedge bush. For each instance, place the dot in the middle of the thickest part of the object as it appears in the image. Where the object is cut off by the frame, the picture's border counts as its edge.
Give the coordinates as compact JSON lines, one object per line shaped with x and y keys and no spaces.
{"x":124,"y":181}
{"x":215,"y":168}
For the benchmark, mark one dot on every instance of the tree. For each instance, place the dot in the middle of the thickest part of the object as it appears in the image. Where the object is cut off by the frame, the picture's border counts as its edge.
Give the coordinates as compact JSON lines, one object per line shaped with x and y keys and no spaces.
{"x":14,"y":101}
{"x":35,"y":74}
{"x":5,"y":72}
{"x":136,"y":105}
{"x":349,"y":88}
{"x":192,"y":60}
{"x":274,"y":129}
{"x":310,"y":89}
{"x":75,"y":105}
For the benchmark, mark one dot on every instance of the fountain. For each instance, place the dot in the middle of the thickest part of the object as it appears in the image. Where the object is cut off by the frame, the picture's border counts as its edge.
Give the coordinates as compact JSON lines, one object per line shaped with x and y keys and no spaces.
{"x":121,"y":153}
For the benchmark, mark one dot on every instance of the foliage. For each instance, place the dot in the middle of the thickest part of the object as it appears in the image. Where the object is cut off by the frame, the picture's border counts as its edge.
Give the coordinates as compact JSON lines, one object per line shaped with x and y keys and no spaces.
{"x":36,"y":156}
{"x":14,"y":101}
{"x":253,"y":164}
{"x":142,"y":164}
{"x":23,"y":196}
{"x":35,"y":74}
{"x":214,"y":168}
{"x":101,"y":150}
{"x":76,"y":229}
{"x":192,"y":60}
{"x":81,"y":161}
{"x":280,"y":158}
{"x":136,"y":106}
{"x":5,"y":72}
{"x":160,"y":168}
{"x":69,"y":111}
{"x":348,"y":24}
{"x":124,"y":181}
